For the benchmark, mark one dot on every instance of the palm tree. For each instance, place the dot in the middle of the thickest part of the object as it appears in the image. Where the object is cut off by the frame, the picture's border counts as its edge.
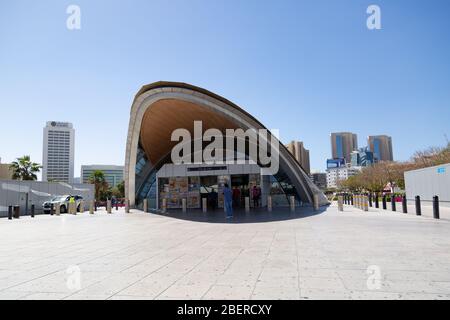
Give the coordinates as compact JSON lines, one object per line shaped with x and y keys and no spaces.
{"x":24,"y":169}
{"x":97,"y":178}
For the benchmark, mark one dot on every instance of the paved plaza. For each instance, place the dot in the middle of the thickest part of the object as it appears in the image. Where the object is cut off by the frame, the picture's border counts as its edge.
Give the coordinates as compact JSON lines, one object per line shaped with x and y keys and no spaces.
{"x":330,"y":255}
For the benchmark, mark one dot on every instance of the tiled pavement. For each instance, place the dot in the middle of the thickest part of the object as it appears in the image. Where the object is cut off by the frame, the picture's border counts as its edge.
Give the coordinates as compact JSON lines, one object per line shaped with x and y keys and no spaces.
{"x":147,"y":256}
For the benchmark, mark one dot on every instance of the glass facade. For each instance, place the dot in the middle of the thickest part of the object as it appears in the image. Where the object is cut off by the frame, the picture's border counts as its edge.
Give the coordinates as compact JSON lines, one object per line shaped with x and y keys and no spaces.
{"x":339,"y":147}
{"x":113,"y":174}
{"x":377,"y":148}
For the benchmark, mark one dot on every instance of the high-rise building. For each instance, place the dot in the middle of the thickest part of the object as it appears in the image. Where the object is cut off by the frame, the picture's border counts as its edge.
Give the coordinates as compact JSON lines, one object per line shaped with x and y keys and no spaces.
{"x":342,"y":145}
{"x":58,"y":152}
{"x":334,"y":175}
{"x":381,"y":146}
{"x":319,"y":179}
{"x":362,"y":158}
{"x":301,"y":154}
{"x":113,"y":174}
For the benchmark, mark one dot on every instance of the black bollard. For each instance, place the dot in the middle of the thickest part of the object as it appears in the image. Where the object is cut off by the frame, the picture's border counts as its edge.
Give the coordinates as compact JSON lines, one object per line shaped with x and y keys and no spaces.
{"x":393,"y":203}
{"x":351,"y":199}
{"x":95,"y":205}
{"x":384,"y":202}
{"x":32,"y":210}
{"x":404,"y":204}
{"x":418,"y":208}
{"x":117,"y":205}
{"x":16,"y":212}
{"x":52,"y":209}
{"x":436,"y":207}
{"x":377,"y":203}
{"x":370,"y":200}
{"x":10,"y":212}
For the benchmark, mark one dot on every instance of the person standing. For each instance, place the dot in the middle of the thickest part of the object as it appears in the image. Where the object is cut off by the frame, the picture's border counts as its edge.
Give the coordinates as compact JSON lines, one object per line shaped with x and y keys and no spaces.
{"x":236,"y":197}
{"x":258,"y":191}
{"x":228,"y":200}
{"x":255,"y":196}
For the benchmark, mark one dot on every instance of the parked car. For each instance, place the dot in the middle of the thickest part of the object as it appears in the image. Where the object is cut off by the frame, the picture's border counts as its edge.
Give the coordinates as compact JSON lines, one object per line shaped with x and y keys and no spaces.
{"x":63,"y":201}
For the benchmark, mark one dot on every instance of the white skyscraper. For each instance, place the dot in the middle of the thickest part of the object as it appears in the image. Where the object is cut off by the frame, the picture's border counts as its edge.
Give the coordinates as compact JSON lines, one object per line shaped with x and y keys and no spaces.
{"x":59,"y":152}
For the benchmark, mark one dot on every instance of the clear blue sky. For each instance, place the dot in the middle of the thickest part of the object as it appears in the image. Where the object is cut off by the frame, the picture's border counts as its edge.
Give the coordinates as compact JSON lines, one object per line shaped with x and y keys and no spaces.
{"x":305,"y":67}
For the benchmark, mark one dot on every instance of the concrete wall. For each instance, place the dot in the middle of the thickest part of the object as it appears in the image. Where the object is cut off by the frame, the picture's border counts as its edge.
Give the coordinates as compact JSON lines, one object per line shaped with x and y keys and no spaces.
{"x":429,"y":182}
{"x":17,"y":192}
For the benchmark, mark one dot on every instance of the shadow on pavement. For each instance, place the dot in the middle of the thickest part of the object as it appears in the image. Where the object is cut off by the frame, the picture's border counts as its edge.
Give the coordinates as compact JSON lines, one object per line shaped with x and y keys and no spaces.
{"x":240,"y":216}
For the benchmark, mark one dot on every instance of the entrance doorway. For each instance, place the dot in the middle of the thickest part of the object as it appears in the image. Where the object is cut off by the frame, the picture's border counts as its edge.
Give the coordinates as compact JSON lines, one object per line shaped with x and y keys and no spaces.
{"x":209,"y":190}
{"x":239,"y":184}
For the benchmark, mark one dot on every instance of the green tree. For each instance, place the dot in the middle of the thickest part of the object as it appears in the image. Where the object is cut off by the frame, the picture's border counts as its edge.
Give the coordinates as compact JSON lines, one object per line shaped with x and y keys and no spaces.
{"x":97,"y":178}
{"x":121,"y":188}
{"x":24,"y":169}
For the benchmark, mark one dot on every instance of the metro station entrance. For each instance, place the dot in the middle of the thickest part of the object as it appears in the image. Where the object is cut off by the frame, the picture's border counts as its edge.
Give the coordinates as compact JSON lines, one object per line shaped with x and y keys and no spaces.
{"x":197,"y":183}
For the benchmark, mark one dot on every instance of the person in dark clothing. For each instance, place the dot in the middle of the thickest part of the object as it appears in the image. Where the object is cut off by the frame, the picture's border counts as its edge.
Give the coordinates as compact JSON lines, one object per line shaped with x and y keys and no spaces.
{"x":213,"y":199}
{"x":228,"y":200}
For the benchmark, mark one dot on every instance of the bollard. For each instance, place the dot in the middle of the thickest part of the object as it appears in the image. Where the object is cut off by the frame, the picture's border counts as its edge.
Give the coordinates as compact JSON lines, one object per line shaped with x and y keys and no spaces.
{"x":32,"y":210}
{"x":292,"y":203}
{"x":404,"y":204}
{"x":127,"y":205}
{"x":436,"y":207}
{"x":393,"y":204}
{"x":57,"y":209}
{"x":316,"y":201}
{"x":10,"y":212}
{"x":183,"y":204}
{"x":108,"y":206}
{"x":418,"y":208}
{"x":204,"y":205}
{"x":269,"y":203}
{"x":82,"y":206}
{"x":52,"y":209}
{"x":370,"y":200}
{"x":340,"y":203}
{"x":164,"y":205}
{"x":95,"y":205}
{"x":145,"y":205}
{"x":366,"y":203}
{"x":16,"y":212}
{"x":351,"y":199}
{"x":247,"y":204}
{"x":377,"y":203}
{"x":73,"y":208}
{"x":117,"y":205}
{"x":384,"y":202}
{"x":91,"y":207}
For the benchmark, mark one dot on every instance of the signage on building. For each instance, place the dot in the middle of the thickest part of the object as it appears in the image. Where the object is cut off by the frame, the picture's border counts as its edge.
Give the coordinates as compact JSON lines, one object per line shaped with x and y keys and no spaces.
{"x":441,"y":170}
